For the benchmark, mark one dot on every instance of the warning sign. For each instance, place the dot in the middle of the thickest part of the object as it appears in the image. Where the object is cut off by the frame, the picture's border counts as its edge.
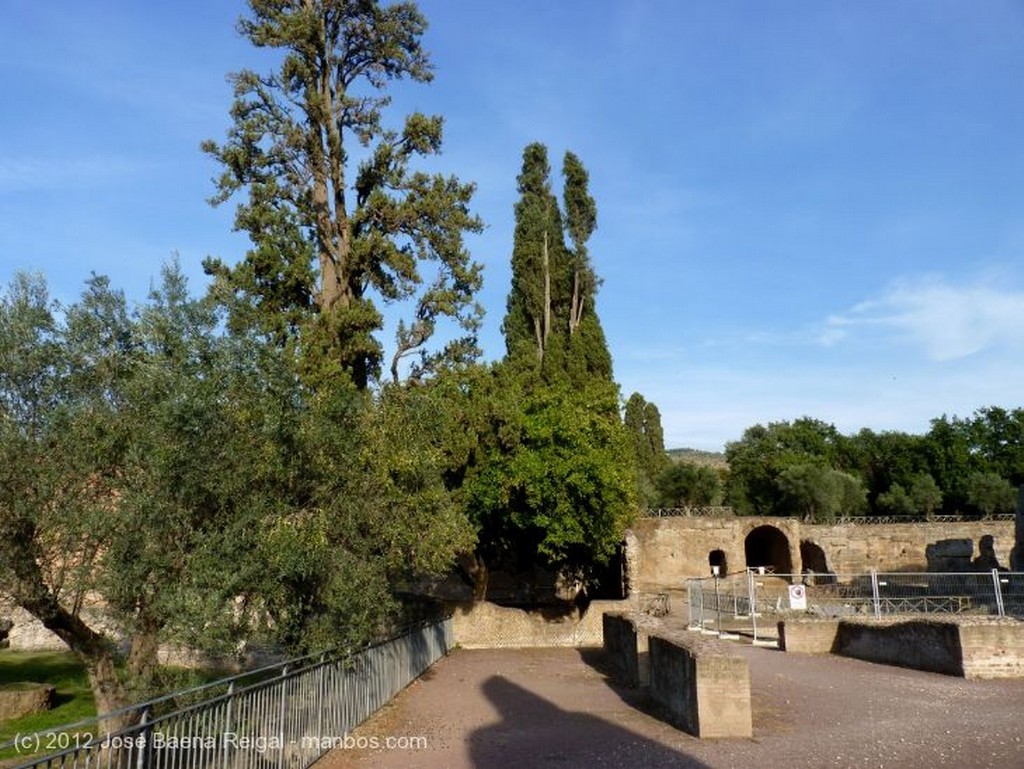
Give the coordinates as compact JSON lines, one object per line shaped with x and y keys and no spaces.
{"x":797,"y":597}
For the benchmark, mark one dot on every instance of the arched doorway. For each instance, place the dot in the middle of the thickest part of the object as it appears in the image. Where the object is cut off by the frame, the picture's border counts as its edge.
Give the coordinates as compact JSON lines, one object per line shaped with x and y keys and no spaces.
{"x":767,"y":546}
{"x":717,"y":558}
{"x":813,"y":558}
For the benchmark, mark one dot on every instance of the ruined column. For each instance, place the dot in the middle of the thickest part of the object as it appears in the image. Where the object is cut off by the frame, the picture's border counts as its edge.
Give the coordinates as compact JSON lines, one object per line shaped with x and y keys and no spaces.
{"x":1017,"y":554}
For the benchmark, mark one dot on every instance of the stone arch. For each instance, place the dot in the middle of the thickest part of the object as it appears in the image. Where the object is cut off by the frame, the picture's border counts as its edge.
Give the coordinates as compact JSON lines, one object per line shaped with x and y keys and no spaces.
{"x":717,"y":558}
{"x":768,"y":546}
{"x":812,"y":556}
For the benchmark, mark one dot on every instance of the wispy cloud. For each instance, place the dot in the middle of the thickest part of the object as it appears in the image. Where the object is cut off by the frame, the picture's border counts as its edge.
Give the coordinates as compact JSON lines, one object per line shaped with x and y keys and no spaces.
{"x":947,"y":321}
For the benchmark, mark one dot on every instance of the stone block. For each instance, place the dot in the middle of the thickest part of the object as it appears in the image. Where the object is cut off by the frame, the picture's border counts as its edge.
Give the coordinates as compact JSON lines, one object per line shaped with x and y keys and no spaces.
{"x":808,"y":636}
{"x":626,"y":646}
{"x":703,"y":685}
{"x":25,"y":699}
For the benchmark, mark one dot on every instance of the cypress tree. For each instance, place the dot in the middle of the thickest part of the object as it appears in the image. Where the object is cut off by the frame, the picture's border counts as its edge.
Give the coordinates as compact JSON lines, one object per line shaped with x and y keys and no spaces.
{"x":551,"y":324}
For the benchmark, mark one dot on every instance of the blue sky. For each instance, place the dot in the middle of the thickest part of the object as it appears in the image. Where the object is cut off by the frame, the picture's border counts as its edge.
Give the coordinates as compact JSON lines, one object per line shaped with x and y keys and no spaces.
{"x":804,"y":208}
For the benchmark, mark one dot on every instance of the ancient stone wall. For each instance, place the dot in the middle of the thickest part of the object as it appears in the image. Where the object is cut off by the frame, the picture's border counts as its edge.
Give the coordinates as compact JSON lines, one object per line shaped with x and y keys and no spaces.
{"x":662,"y":553}
{"x":484,"y":625}
{"x":903,"y":546}
{"x":972,"y":647}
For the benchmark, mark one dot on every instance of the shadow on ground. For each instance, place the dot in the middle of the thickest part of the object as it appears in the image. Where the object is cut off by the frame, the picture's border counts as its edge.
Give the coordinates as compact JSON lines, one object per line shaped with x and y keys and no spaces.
{"x":637,"y":697}
{"x":534,"y":732}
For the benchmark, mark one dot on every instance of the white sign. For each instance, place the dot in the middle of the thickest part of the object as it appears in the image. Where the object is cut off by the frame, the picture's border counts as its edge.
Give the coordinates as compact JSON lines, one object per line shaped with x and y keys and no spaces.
{"x":797,"y":597}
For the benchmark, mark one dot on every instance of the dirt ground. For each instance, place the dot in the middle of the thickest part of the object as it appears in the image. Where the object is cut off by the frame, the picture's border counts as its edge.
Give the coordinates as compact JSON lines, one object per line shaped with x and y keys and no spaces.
{"x":520,"y":709}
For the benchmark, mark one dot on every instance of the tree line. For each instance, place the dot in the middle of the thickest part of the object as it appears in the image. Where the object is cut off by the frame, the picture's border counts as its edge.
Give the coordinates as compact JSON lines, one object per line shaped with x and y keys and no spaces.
{"x":805,"y":467}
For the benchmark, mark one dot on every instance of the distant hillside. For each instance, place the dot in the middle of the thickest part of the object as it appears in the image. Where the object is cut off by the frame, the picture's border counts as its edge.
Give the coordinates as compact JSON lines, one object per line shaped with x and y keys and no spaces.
{"x":714,"y":459}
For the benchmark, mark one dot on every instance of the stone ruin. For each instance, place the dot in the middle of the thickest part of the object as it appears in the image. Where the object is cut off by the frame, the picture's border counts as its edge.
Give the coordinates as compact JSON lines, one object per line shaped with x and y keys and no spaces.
{"x":1017,"y":554}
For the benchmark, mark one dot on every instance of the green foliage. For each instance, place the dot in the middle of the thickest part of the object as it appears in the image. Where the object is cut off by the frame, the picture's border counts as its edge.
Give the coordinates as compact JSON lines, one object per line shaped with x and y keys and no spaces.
{"x":819,"y":494}
{"x":190,"y":478}
{"x":552,"y":480}
{"x":923,"y":497}
{"x":642,"y":421}
{"x":74,"y":700}
{"x":989,"y":493}
{"x":551,"y":324}
{"x":950,"y":459}
{"x":903,"y":474}
{"x":925,"y":494}
{"x":997,"y":435}
{"x":331,"y":240}
{"x":896,"y":501}
{"x":757,"y":460}
{"x":684,"y":484}
{"x":883,"y":459}
{"x":556,"y":487}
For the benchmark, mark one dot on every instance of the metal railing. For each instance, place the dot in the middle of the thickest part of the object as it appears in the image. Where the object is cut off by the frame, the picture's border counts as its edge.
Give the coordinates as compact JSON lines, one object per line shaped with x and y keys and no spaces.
{"x":285,"y":716}
{"x":748,"y":602}
{"x":865,"y":520}
{"x":687,"y":512}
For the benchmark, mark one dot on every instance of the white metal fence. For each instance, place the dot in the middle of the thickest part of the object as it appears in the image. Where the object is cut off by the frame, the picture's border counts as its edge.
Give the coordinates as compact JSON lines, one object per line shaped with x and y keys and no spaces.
{"x":281,"y":717}
{"x":752,"y":601}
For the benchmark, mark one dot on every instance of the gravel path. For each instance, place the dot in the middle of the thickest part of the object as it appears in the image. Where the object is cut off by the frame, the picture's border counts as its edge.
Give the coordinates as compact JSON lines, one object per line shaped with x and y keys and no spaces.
{"x":492,"y":709}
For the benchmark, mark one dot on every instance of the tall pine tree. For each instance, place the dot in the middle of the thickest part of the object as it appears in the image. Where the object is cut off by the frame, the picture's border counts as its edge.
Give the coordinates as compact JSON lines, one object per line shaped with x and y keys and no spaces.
{"x":330,"y":241}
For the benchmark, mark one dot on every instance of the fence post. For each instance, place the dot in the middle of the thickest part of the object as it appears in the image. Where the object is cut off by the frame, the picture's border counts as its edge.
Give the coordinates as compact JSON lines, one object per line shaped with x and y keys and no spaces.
{"x":718,"y":604}
{"x":696,"y":588}
{"x":752,"y":597}
{"x":282,"y":713}
{"x":145,"y":749}
{"x":997,"y":585}
{"x":874,"y":594}
{"x":229,"y":725}
{"x":321,"y":694}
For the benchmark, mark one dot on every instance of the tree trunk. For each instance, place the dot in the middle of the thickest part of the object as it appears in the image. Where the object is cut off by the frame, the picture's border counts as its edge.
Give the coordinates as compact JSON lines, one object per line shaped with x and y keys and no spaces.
{"x":95,"y":651}
{"x":547,"y":292}
{"x":30,"y":592}
{"x":475,"y":568}
{"x":142,"y":658}
{"x":576,"y":311}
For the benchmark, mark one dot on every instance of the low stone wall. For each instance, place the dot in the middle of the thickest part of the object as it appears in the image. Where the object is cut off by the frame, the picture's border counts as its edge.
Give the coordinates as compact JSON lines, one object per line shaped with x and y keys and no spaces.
{"x":993,"y":649}
{"x":626,"y":644}
{"x":972,"y":647}
{"x":932,"y":645}
{"x":808,"y":636}
{"x":484,"y":625}
{"x":703,"y":685}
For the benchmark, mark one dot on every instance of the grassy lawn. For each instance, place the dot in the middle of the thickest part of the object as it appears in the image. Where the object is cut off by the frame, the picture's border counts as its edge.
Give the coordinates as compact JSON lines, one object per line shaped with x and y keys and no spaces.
{"x":74,"y":700}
